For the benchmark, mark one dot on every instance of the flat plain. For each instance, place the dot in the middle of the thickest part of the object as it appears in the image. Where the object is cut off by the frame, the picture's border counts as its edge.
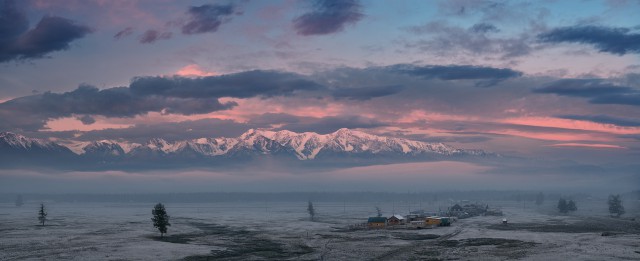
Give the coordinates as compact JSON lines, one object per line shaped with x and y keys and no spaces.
{"x":283,"y":231}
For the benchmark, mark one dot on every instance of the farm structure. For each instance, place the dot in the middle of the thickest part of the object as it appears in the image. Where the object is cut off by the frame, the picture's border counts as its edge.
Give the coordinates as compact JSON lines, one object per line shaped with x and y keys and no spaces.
{"x":396,"y":220}
{"x":377,"y":222}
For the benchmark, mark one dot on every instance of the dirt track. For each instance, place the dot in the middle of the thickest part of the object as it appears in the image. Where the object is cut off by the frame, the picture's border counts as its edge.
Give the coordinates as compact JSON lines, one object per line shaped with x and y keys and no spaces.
{"x":393,"y":254}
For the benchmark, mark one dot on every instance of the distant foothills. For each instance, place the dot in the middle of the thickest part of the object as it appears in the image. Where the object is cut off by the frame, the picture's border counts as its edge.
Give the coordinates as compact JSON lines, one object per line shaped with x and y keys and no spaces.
{"x":342,"y":148}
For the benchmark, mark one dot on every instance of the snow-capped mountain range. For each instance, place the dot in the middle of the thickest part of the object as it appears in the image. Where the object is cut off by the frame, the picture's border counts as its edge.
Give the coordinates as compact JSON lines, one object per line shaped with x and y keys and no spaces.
{"x":307,"y":146}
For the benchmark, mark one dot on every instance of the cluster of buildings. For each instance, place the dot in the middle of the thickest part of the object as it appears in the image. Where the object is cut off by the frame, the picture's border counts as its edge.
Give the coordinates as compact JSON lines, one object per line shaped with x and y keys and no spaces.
{"x":417,"y":221}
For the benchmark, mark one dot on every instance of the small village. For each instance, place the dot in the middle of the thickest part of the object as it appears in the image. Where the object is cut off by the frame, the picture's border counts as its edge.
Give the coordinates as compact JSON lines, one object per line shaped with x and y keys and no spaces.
{"x":425,"y":220}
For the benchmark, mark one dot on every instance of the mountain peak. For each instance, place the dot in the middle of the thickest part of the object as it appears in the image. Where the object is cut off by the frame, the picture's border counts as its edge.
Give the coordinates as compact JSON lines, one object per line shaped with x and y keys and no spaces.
{"x":24,"y":143}
{"x":343,"y":131}
{"x":248,"y":132}
{"x":8,"y":134}
{"x":17,"y":140}
{"x":157,"y":142}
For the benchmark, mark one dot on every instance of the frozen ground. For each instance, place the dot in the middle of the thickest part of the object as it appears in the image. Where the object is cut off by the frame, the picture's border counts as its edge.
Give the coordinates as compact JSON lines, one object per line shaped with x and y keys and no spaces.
{"x":282,"y":231}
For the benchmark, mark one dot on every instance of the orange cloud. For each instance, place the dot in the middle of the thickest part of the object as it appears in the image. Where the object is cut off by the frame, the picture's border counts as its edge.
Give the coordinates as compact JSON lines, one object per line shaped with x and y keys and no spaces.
{"x":194,"y":70}
{"x":247,"y":108}
{"x":597,"y":131}
{"x":587,"y":145}
{"x":552,"y":136}
{"x":417,"y":115}
{"x":571,"y":124}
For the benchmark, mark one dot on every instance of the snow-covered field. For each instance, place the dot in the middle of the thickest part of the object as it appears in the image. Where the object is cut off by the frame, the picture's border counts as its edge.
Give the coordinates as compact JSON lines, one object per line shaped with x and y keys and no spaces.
{"x":283,"y":231}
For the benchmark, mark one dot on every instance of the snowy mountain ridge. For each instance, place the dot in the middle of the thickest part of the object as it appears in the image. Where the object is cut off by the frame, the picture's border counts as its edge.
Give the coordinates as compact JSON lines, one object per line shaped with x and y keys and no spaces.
{"x":304,"y":146}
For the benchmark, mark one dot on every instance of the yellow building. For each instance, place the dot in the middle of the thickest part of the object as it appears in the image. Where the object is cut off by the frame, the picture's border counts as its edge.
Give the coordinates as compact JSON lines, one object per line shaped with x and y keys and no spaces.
{"x":433,"y":221}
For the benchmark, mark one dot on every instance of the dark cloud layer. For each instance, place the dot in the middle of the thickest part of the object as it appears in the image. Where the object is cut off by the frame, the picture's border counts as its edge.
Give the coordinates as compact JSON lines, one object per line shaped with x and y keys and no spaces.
{"x":151,"y":36}
{"x":613,"y":40}
{"x":33,"y":111}
{"x":175,"y":95}
{"x":50,"y":34}
{"x":582,"y":88}
{"x":238,"y":85}
{"x":631,"y":98}
{"x":484,"y":28}
{"x":597,"y":91}
{"x":86,"y":119}
{"x":123,"y":33}
{"x":458,"y":72}
{"x":366,"y":93}
{"x":328,"y":16}
{"x":451,"y":40}
{"x":605,"y":119}
{"x":207,"y":18}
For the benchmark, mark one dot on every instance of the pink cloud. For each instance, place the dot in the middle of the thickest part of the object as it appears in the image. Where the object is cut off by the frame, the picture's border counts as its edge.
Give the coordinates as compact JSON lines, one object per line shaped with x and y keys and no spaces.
{"x":571,"y":124}
{"x":584,"y":130}
{"x":194,"y":70}
{"x":247,"y":108}
{"x":418,"y":115}
{"x":588,"y":145}
{"x":552,"y":136}
{"x":73,"y":124}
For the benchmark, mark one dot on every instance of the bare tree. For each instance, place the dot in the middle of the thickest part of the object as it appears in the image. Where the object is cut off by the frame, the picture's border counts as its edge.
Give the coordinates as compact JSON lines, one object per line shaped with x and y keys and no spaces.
{"x":311,"y":210}
{"x":42,"y":214}
{"x":160,"y":218}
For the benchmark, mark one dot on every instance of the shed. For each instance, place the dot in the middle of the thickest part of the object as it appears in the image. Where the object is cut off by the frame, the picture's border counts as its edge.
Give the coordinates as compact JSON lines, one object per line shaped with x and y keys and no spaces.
{"x":377,"y":222}
{"x":395,"y":220}
{"x":445,"y":221}
{"x":417,"y":224}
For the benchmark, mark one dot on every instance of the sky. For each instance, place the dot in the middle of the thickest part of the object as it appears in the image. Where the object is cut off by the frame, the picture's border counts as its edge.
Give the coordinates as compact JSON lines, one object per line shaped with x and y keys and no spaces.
{"x":546,"y":81}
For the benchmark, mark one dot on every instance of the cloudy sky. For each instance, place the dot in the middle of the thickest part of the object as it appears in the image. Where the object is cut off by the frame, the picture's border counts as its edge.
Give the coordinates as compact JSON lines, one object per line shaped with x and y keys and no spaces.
{"x":542,"y":80}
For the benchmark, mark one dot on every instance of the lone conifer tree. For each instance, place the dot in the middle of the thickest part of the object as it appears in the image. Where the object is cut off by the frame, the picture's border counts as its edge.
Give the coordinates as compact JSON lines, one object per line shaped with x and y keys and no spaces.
{"x":42,"y":214}
{"x":378,"y":211}
{"x":160,"y":218}
{"x":615,"y":205}
{"x":571,"y":206}
{"x":311,"y":210}
{"x":562,"y":206}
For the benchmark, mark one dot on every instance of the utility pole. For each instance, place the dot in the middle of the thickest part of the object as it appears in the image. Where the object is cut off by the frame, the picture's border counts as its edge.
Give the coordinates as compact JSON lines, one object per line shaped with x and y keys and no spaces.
{"x":393,"y":204}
